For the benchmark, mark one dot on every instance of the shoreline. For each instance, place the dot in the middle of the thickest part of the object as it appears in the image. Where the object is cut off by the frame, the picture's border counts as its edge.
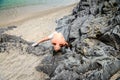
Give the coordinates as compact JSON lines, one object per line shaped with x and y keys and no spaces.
{"x":40,"y":24}
{"x":18,"y":18}
{"x":18,"y":65}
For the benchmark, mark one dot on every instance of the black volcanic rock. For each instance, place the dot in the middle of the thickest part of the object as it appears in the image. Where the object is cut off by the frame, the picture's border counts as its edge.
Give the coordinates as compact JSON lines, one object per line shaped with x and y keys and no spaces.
{"x":11,"y":42}
{"x":94,"y":37}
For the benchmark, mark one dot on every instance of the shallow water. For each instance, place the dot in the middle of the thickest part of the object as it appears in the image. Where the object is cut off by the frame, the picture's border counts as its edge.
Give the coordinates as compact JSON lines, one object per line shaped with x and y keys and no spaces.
{"x":6,"y":4}
{"x":16,"y":10}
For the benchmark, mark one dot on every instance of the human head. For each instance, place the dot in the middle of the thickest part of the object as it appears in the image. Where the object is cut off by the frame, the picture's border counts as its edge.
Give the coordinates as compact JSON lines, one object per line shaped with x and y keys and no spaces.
{"x":56,"y":46}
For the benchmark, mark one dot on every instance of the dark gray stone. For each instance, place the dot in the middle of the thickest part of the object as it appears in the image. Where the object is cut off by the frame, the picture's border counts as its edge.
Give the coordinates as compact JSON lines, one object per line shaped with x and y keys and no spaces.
{"x":66,"y":75}
{"x":94,"y":38}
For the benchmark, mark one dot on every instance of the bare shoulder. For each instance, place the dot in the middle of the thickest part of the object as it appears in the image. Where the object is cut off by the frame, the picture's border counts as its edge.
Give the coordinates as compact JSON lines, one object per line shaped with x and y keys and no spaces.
{"x":52,"y":35}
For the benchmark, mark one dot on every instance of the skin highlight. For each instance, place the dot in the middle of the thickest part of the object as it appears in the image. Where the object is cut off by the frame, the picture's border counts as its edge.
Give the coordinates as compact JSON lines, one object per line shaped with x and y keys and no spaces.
{"x":58,"y":41}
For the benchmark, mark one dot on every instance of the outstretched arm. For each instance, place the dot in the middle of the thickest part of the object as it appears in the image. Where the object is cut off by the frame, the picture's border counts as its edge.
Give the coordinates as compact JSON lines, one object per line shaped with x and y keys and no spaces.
{"x":42,"y":40}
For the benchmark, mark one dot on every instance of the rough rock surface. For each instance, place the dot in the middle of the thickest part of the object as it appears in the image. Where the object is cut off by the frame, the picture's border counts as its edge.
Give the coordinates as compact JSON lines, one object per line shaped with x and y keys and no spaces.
{"x":94,"y":52}
{"x":16,"y":62}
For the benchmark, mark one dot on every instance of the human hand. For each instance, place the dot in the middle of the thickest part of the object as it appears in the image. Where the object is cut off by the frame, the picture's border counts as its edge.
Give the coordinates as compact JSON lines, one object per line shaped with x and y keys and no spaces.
{"x":34,"y":44}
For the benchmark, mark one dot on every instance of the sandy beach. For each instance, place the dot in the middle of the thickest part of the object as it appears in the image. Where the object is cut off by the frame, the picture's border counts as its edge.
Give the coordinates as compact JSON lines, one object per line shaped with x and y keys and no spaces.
{"x":17,"y":66}
{"x":39,"y":24}
{"x":93,"y":51}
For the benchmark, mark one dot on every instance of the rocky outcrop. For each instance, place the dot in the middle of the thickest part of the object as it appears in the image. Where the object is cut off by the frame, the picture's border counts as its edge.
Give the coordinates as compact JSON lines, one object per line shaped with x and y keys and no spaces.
{"x":94,"y":38}
{"x":94,"y":52}
{"x":16,"y":62}
{"x":11,"y":42}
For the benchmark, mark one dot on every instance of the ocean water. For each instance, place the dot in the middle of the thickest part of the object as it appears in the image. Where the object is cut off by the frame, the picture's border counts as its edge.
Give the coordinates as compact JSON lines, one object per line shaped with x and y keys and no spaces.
{"x":16,"y":10}
{"x":6,"y":4}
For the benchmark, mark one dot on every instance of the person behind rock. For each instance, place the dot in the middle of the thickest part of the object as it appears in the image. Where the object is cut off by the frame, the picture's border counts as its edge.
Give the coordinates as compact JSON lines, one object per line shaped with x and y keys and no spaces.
{"x":57,"y":40}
